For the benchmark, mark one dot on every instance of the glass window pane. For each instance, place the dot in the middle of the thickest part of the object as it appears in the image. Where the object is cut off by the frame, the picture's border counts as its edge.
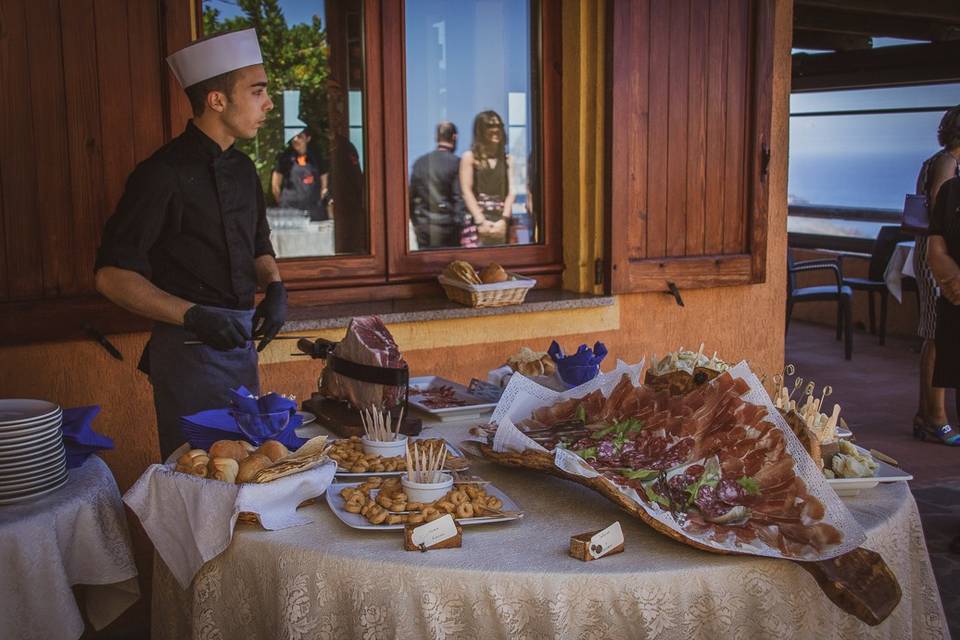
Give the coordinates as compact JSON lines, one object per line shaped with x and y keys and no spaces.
{"x":471,"y":123}
{"x":867,"y":161}
{"x":310,"y":152}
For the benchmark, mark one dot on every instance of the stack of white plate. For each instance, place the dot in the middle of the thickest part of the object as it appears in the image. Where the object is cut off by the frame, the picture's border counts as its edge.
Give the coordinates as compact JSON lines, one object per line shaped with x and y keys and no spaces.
{"x":32,"y":458}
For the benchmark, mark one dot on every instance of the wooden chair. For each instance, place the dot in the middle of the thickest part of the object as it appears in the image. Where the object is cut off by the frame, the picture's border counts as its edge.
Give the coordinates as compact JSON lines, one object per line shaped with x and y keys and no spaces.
{"x":842,"y":294}
{"x":883,"y":248}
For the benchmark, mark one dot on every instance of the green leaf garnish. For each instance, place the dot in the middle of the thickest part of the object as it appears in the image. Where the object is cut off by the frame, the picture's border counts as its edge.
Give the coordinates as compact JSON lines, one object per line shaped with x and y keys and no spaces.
{"x":631,"y":425}
{"x":589,"y":452}
{"x":638,"y":474}
{"x":655,"y":497}
{"x":619,"y":440}
{"x":751,"y":486}
{"x":601,"y":434}
{"x":710,"y":478}
{"x":581,"y":413}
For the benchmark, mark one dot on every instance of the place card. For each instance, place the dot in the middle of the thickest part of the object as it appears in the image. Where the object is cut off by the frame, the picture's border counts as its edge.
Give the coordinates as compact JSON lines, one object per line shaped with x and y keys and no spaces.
{"x":442,"y":533}
{"x":606,"y":541}
{"x":597,"y":544}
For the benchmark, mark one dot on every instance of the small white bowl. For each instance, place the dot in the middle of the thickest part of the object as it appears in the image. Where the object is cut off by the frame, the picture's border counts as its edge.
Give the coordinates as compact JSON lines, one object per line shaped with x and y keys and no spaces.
{"x":426,"y":492}
{"x":386,"y":449}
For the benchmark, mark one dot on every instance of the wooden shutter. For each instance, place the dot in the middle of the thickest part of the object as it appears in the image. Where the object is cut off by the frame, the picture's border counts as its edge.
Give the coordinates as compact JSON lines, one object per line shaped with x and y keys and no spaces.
{"x":689,"y":130}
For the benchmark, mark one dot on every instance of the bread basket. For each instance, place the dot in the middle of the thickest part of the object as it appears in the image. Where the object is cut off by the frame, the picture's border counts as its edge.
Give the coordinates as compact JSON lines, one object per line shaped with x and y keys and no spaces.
{"x":498,"y":294}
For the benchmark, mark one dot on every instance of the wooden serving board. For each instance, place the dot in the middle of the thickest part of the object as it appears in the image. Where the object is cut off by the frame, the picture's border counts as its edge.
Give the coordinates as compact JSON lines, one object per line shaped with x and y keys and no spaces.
{"x":344,"y":420}
{"x":859,"y":582}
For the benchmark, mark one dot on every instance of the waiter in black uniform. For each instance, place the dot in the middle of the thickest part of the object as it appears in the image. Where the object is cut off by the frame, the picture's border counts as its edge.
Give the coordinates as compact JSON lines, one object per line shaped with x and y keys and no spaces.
{"x":189,"y":241}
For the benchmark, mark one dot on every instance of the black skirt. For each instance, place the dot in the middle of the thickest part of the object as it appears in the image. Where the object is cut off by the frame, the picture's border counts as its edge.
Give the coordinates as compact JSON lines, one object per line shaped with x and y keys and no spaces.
{"x":946,"y":370}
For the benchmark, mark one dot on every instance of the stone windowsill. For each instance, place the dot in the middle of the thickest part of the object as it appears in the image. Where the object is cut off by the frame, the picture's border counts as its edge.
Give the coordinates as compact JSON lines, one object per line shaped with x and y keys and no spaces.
{"x":335,"y":316}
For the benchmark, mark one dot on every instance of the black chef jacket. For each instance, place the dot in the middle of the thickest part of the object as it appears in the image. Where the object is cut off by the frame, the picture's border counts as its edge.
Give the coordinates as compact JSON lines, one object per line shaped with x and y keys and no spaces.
{"x":192,"y":220}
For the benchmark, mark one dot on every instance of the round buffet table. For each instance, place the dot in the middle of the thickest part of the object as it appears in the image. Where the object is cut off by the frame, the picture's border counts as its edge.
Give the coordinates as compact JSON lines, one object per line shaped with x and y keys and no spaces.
{"x":76,"y":535}
{"x":515,"y":579}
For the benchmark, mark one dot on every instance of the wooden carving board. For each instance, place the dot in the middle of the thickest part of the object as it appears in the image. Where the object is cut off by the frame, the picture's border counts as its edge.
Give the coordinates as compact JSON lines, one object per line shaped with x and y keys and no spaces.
{"x":344,"y":420}
{"x":859,"y":582}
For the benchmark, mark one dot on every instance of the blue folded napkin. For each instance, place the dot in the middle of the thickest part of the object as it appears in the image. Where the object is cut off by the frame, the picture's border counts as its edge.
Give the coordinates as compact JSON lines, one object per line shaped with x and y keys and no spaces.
{"x":203,"y":429}
{"x":582,"y":366}
{"x":79,"y":438}
{"x":242,"y":400}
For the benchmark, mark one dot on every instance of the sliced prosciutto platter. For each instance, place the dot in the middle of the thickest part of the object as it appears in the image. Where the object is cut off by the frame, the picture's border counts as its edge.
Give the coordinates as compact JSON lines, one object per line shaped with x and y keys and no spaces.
{"x":716,"y":468}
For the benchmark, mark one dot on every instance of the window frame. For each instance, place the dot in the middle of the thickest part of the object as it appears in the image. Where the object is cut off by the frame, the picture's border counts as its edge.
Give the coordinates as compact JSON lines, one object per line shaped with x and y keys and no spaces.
{"x":391,"y":270}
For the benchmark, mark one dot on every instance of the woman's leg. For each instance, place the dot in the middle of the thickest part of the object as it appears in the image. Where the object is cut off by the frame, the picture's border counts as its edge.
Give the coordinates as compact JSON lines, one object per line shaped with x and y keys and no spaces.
{"x":932,"y":405}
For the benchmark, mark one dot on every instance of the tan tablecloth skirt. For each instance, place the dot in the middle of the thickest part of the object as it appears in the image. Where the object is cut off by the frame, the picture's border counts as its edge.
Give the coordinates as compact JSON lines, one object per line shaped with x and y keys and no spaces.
{"x":515,"y":580}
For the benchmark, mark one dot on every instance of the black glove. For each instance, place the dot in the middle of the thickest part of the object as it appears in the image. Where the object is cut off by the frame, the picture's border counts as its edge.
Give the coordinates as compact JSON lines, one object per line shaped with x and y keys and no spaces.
{"x":270,"y":314}
{"x":215,"y":328}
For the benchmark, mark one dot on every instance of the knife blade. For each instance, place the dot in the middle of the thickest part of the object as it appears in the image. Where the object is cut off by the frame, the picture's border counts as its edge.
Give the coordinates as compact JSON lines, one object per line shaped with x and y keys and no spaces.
{"x":102,"y":340}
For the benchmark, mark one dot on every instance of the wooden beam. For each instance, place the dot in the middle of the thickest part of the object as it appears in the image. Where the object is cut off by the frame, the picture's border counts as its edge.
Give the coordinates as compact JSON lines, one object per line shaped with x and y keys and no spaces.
{"x":884,"y":66}
{"x":848,"y":22}
{"x":948,"y":10}
{"x":827,"y":41}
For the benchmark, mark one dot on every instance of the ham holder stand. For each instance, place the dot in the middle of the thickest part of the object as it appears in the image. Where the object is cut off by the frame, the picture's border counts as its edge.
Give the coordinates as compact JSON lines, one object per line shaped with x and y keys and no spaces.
{"x":341,"y":417}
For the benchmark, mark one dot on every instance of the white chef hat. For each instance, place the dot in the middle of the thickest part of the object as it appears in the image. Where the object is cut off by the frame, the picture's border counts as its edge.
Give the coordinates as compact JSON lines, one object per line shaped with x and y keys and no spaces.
{"x":207,"y":58}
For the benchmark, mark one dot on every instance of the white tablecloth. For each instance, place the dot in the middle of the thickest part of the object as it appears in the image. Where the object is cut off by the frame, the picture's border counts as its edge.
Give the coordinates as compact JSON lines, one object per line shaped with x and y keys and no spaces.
{"x":77,"y":535}
{"x":515,"y":580}
{"x":899,"y":267}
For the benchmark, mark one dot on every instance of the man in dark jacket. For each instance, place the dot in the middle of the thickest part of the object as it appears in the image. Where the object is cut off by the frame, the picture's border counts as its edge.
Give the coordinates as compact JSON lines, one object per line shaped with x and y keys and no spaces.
{"x":436,"y":204}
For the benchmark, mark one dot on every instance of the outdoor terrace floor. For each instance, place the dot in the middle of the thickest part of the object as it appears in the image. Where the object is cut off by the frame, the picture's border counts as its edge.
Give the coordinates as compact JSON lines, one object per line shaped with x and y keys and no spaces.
{"x":877,"y":391}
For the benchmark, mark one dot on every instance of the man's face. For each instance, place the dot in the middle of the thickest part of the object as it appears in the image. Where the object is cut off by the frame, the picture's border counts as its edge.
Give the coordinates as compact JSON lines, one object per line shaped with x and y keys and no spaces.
{"x":248,"y":103}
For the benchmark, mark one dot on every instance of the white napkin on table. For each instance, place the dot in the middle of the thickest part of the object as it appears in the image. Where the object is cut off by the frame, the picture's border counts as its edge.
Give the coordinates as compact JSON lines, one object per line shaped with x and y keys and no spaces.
{"x":191,"y":520}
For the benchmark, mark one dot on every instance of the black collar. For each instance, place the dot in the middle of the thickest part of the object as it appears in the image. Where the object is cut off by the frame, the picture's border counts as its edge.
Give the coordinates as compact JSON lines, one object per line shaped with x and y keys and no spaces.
{"x":202,"y":143}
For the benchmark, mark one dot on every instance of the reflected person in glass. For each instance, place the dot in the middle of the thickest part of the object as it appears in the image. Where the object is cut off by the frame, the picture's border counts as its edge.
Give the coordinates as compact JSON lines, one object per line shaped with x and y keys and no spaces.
{"x":485,"y":182}
{"x":436,"y":204}
{"x":299,"y":181}
{"x":931,"y":419}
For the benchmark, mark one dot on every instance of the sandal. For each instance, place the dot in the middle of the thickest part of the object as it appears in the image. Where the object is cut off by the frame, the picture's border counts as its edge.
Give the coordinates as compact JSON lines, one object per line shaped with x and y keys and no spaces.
{"x":944,"y":433}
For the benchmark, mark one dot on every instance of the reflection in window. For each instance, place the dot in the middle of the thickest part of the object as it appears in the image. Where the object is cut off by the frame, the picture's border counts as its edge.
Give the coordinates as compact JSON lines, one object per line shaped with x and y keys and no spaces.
{"x":309,"y":154}
{"x":470,"y":136}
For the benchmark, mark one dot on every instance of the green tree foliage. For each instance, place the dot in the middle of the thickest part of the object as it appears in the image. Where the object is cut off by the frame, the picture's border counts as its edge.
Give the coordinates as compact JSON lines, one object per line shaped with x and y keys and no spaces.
{"x":295,"y":57}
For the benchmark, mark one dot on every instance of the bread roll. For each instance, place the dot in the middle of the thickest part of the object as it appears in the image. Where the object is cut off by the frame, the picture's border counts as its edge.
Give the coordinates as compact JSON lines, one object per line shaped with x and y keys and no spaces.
{"x":224,"y":469}
{"x":229,"y":449}
{"x":193,"y":462}
{"x":493,"y":273}
{"x":249,"y":467}
{"x":273,"y":450}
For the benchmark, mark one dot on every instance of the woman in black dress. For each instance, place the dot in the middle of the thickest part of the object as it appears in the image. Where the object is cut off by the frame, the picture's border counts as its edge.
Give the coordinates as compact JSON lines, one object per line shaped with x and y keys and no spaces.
{"x":485,"y":182}
{"x":944,"y":256}
{"x":936,"y":170}
{"x":943,"y":253}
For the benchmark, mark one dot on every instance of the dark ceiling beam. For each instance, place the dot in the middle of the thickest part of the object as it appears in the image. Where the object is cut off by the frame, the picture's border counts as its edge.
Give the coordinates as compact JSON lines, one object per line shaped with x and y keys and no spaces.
{"x":884,"y":66}
{"x":948,"y":10}
{"x":825,"y":41}
{"x":834,"y":21}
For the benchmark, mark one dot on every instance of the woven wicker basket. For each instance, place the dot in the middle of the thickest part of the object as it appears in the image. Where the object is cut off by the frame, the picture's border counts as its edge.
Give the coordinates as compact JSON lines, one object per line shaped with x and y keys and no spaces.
{"x":498,"y":294}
